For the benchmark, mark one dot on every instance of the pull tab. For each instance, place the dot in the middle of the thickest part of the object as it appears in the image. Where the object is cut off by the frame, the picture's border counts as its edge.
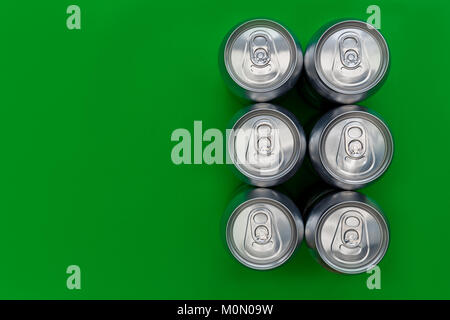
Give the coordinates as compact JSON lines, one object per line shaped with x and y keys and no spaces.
{"x":264,"y":147}
{"x":261,"y":239}
{"x":265,"y":137}
{"x":350,"y":50}
{"x":261,"y":226}
{"x":351,"y":65}
{"x":355,"y":154}
{"x":355,"y":140}
{"x":351,"y":238}
{"x":259,"y":49}
{"x":260,"y":59}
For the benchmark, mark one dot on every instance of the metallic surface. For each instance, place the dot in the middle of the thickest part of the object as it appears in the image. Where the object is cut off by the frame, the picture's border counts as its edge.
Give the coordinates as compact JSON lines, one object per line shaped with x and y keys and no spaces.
{"x":264,"y":228}
{"x":350,"y":147}
{"x":261,"y":60}
{"x":346,"y":62}
{"x":347,"y":232}
{"x":266,"y":144}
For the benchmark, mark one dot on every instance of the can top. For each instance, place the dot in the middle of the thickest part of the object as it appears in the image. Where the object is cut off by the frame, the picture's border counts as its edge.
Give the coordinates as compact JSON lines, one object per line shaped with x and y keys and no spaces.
{"x":356,"y":147}
{"x":351,"y":57}
{"x":262,"y":232}
{"x":266,"y":144}
{"x":260,"y":55}
{"x":352,"y":236}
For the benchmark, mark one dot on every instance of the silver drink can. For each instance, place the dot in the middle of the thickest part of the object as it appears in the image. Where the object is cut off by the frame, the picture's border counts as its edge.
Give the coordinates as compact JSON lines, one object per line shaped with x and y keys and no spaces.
{"x":260,"y":60}
{"x":266,"y":144}
{"x":350,"y":147}
{"x":264,"y":228}
{"x":345,"y":62}
{"x":346,"y":231}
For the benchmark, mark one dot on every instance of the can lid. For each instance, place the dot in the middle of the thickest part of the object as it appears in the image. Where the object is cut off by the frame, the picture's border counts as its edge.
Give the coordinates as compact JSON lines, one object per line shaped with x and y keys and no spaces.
{"x":351,"y":57}
{"x":356,"y":147}
{"x":261,"y":232}
{"x":260,"y":55}
{"x":352,"y":237}
{"x":266,"y":144}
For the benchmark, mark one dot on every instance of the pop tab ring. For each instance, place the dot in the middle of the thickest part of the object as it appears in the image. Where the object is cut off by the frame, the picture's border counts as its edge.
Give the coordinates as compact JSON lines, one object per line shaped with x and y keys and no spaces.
{"x":262,"y":239}
{"x":264,"y":147}
{"x":350,"y":241}
{"x":355,"y":154}
{"x":351,"y":65}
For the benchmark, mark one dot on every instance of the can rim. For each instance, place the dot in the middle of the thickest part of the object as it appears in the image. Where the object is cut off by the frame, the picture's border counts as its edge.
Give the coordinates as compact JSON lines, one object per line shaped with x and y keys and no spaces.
{"x":382,"y":223}
{"x":283,"y":31}
{"x":295,"y":239}
{"x":384,"y":129}
{"x":297,"y":134}
{"x":383,"y":46}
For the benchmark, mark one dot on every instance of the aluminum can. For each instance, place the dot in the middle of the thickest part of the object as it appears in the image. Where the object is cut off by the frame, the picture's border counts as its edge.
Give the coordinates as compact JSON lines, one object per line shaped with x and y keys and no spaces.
{"x":350,"y":146}
{"x":345,"y":62}
{"x":266,"y":144}
{"x":346,"y":231}
{"x":260,"y":60}
{"x":264,"y":228}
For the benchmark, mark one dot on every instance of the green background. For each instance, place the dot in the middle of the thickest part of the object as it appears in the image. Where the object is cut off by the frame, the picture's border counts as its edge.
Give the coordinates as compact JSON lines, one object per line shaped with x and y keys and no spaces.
{"x":86,"y":174}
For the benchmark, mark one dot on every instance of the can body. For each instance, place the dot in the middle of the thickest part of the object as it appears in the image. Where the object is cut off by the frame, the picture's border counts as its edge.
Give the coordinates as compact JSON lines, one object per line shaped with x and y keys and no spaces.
{"x":260,"y":60}
{"x":266,"y":144}
{"x":345,"y":62}
{"x":263,"y":229}
{"x":350,"y":146}
{"x":346,"y":231}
